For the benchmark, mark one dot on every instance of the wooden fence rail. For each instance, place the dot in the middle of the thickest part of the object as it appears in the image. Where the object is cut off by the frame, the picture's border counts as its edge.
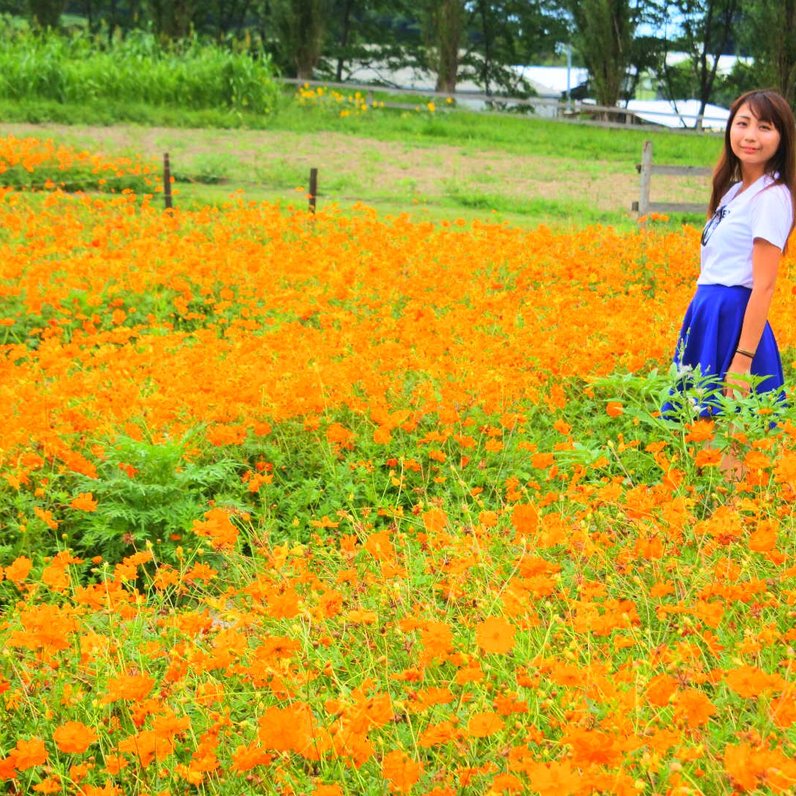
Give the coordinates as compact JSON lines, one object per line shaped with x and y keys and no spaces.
{"x":643,"y":206}
{"x":646,"y":169}
{"x":168,"y":201}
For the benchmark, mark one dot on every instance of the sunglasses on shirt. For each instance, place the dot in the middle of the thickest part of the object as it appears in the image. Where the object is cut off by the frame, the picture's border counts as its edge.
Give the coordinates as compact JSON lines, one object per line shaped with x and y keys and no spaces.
{"x":710,"y":227}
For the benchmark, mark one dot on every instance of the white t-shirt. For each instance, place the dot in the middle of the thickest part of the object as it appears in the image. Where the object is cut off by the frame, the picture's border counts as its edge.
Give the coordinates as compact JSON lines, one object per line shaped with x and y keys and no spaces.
{"x":764,"y":210}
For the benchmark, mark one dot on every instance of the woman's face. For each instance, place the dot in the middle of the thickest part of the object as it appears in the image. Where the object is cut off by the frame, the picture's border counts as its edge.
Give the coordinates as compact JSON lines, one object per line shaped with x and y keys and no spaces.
{"x":753,"y":141}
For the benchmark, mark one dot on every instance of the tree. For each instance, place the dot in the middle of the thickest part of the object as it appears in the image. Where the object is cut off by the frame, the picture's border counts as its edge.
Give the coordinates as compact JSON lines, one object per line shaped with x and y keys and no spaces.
{"x":296,"y":29}
{"x":173,"y":19}
{"x":346,"y":10}
{"x":448,"y":24}
{"x":110,"y":15}
{"x":768,"y":33}
{"x":222,"y":17}
{"x":506,"y":33}
{"x":46,"y":13}
{"x":704,"y":30}
{"x":603,"y":35}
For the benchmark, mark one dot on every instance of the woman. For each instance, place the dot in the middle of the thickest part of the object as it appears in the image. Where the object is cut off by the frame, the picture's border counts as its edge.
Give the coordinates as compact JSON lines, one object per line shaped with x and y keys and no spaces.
{"x":725,"y":336}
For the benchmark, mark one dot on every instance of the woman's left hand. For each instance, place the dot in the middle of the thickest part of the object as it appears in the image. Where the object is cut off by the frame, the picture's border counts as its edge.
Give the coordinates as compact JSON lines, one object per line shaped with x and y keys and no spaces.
{"x":737,"y":378}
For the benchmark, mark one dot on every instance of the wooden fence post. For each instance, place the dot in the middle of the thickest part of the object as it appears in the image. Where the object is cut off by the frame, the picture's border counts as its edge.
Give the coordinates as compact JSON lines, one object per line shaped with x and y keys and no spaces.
{"x":313,"y":189}
{"x":167,"y":181}
{"x":646,"y":179}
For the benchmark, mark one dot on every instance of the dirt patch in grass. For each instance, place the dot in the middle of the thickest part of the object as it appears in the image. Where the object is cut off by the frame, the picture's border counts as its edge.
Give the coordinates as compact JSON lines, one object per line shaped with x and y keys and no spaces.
{"x":354,"y":168}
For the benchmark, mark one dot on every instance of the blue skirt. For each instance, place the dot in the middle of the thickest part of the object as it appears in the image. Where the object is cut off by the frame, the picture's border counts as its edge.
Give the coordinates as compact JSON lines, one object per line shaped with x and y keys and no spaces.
{"x":706,"y":346}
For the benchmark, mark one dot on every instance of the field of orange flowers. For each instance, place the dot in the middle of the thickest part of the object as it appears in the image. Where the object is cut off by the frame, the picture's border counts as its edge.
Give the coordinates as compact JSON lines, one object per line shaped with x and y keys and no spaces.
{"x":42,"y":163}
{"x":348,"y":504}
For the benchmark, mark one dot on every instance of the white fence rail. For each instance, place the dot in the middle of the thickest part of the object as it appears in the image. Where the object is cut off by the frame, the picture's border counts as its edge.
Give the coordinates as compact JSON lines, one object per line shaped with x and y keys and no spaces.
{"x":575,"y":109}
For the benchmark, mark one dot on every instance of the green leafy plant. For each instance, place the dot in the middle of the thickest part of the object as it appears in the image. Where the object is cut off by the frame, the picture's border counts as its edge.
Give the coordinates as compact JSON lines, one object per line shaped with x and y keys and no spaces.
{"x":146,"y":492}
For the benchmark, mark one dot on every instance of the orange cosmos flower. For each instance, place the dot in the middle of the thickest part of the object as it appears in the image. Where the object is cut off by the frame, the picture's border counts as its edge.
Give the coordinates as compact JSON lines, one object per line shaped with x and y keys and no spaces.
{"x":707,"y":457}
{"x":327,"y":790}
{"x":44,"y":626}
{"x":555,"y":779}
{"x":382,"y":435}
{"x":55,"y":577}
{"x":751,"y":681}
{"x":380,"y":546}
{"x":438,"y":734}
{"x":693,"y":708}
{"x":74,"y":737}
{"x":108,"y":789}
{"x":699,"y":431}
{"x":290,"y":729}
{"x":79,"y":772}
{"x":481,"y":725}
{"x":128,"y":687}
{"x":435,"y":520}
{"x":495,"y":634}
{"x":614,"y":409}
{"x":8,"y":769}
{"x":218,"y":527}
{"x":245,"y":758}
{"x":469,"y":674}
{"x":752,"y":769}
{"x":755,"y":460}
{"x":764,"y":538}
{"x":507,"y":783}
{"x":400,"y":771}
{"x":507,"y":704}
{"x":340,"y":436}
{"x":46,"y":516}
{"x":660,"y":690}
{"x":147,"y":746}
{"x":525,"y":518}
{"x":592,"y":746}
{"x":437,"y":640}
{"x":85,"y":501}
{"x":29,"y":754}
{"x":367,"y":712}
{"x":49,"y":785}
{"x":18,"y":570}
{"x":541,"y":461}
{"x":783,"y":710}
{"x":200,"y":571}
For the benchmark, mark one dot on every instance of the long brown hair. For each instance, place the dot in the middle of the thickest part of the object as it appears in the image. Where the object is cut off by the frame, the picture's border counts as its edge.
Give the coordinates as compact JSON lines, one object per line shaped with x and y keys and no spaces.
{"x":767,"y":106}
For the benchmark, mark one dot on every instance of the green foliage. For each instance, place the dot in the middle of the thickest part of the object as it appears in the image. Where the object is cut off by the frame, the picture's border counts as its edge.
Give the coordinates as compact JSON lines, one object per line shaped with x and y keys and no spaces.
{"x":80,"y":69}
{"x":46,"y":13}
{"x":147,"y":493}
{"x":507,"y":133}
{"x":604,"y":31}
{"x":150,"y":493}
{"x":768,"y":33}
{"x":562,"y":210}
{"x":704,"y":30}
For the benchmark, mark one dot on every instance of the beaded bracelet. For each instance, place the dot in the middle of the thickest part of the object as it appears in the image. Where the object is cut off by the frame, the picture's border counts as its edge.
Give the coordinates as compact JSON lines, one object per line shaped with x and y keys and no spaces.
{"x":749,"y":354}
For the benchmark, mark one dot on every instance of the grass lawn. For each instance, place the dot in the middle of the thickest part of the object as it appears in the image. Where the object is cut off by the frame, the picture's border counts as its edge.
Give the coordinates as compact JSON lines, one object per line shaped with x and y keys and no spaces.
{"x":446,"y":164}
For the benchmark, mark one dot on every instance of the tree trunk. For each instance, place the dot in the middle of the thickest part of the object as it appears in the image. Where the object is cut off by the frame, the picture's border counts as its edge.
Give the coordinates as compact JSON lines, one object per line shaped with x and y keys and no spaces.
{"x":786,"y":50}
{"x":604,"y":34}
{"x":173,"y":18}
{"x":450,"y":26}
{"x":307,"y":30}
{"x":487,"y":32}
{"x":46,"y":13}
{"x":714,"y":49}
{"x":344,"y":32}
